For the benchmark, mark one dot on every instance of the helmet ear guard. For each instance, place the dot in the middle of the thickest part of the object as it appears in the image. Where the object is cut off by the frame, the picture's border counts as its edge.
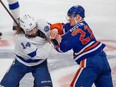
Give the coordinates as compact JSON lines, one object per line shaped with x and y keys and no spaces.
{"x":75,"y":10}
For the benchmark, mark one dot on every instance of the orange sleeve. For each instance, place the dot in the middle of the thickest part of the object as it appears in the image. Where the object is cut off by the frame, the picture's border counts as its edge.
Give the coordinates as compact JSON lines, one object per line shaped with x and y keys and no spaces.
{"x":58,"y":26}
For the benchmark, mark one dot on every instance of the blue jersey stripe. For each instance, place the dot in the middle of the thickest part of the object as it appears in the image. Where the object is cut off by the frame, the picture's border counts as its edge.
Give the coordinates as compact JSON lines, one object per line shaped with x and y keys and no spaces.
{"x":32,"y":54}
{"x":14,"y":6}
{"x":29,"y":60}
{"x":91,"y":47}
{"x":90,"y":54}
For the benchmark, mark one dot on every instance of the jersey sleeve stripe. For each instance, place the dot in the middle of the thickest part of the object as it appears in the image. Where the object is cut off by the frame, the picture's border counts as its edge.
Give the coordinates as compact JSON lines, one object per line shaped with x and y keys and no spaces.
{"x":14,"y":6}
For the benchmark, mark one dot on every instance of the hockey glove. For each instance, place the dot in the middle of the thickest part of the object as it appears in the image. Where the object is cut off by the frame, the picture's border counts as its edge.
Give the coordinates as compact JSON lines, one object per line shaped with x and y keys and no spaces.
{"x":54,"y":42}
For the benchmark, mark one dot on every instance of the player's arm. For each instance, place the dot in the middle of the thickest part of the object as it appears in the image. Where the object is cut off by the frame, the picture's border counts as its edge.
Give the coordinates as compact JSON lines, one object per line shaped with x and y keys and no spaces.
{"x":66,"y":42}
{"x":58,"y":26}
{"x":64,"y":46}
{"x":59,"y":29}
{"x":56,"y":29}
{"x":15,"y":9}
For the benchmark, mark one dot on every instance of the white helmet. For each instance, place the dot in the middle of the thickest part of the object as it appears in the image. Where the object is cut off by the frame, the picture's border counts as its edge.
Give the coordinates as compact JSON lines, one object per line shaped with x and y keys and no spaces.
{"x":44,"y":27}
{"x":27,"y":23}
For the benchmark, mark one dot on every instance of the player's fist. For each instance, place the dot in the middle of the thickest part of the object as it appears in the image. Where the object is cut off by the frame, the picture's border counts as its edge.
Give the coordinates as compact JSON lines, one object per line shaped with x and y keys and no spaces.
{"x":53,"y":33}
{"x":58,"y":38}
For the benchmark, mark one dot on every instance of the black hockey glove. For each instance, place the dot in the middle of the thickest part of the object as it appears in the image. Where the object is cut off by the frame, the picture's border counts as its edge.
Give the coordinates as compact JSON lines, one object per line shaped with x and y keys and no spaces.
{"x":55,"y":42}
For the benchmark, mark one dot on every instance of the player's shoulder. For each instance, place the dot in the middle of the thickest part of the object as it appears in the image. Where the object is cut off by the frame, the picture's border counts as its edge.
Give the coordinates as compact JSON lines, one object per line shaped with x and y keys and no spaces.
{"x":21,"y":38}
{"x":42,"y":24}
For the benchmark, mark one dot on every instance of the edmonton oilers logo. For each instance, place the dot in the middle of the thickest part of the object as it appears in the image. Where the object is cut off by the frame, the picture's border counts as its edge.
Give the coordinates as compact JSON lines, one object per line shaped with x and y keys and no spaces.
{"x":46,"y":28}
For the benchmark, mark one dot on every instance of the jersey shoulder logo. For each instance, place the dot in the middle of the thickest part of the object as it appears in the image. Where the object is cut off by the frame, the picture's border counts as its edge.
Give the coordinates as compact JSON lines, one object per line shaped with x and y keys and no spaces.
{"x":46,"y":28}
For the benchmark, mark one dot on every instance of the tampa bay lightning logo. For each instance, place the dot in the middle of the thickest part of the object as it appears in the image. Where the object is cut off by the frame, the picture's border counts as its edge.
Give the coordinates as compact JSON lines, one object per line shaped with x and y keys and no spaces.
{"x":46,"y":28}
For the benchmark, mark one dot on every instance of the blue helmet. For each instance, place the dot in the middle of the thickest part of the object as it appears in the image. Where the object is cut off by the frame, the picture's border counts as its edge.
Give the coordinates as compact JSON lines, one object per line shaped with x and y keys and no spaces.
{"x":75,"y":10}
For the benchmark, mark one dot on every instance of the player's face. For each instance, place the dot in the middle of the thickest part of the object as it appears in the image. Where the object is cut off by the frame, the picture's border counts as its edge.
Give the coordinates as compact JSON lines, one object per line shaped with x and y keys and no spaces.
{"x":73,"y":20}
{"x":33,"y":32}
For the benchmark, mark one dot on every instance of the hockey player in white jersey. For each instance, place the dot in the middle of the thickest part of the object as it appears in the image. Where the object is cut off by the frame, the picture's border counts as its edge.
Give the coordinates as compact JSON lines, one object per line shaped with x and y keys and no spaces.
{"x":31,"y":52}
{"x":15,"y":11}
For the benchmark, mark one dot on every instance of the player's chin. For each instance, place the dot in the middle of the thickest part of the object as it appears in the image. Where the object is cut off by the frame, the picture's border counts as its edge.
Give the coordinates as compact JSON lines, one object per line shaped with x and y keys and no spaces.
{"x":72,"y":24}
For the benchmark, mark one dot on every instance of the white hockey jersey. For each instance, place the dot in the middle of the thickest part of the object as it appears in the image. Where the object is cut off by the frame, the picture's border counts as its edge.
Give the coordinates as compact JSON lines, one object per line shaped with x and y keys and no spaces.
{"x":32,"y":51}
